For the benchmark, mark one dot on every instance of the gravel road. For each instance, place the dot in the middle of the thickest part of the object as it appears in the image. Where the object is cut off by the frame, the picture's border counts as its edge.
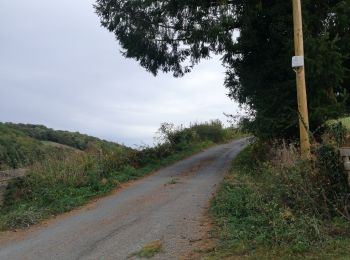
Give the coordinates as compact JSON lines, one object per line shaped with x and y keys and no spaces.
{"x":168,"y":206}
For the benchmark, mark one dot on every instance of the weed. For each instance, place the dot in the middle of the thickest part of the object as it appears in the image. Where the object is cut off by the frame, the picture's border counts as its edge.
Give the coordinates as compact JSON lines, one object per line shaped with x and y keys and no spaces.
{"x":149,"y":250}
{"x":172,"y":181}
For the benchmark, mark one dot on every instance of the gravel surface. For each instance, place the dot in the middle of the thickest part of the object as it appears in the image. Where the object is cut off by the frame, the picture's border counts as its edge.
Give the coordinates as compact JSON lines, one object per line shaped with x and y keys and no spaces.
{"x":168,"y":206}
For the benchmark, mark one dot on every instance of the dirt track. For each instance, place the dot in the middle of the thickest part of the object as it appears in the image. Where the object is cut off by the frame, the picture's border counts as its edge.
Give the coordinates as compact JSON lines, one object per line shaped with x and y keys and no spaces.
{"x":167,"y":206}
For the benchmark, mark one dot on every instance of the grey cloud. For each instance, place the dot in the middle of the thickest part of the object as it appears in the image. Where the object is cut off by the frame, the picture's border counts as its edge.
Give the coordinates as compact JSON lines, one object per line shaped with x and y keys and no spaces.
{"x":59,"y":68}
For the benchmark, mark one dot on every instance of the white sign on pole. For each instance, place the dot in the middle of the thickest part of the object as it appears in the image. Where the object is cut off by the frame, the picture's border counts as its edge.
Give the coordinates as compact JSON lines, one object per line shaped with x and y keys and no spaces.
{"x":297,"y":61}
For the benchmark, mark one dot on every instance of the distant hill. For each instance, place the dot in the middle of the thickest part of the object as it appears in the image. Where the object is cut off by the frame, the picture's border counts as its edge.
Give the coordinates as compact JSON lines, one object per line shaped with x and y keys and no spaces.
{"x":23,"y":144}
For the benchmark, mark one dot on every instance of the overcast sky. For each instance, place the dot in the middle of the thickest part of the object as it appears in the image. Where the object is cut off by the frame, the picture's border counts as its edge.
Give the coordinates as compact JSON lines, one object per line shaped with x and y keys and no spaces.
{"x":59,"y":68}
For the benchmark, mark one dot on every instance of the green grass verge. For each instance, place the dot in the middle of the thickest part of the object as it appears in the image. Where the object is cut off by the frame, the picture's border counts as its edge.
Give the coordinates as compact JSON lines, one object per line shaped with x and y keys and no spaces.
{"x":53,"y":197}
{"x":252,"y":221}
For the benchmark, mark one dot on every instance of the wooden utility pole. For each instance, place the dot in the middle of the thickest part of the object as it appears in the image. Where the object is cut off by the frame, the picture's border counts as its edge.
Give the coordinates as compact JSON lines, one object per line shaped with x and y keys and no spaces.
{"x":298,"y":65}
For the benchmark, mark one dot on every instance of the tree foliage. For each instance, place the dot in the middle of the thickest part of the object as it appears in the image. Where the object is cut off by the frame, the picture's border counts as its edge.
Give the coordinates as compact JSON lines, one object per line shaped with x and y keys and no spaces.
{"x":170,"y":36}
{"x":255,"y":40}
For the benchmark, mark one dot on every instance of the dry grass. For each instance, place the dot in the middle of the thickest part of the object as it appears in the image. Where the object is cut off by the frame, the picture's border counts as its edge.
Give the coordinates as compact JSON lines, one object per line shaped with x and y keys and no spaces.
{"x":284,"y":155}
{"x":149,"y":250}
{"x":173,"y":181}
{"x":72,"y":170}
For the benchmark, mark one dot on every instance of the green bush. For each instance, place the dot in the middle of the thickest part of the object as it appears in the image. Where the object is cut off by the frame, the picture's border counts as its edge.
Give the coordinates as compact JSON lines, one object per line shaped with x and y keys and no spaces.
{"x":176,"y":139}
{"x":334,"y":134}
{"x":212,"y":131}
{"x":332,"y":179}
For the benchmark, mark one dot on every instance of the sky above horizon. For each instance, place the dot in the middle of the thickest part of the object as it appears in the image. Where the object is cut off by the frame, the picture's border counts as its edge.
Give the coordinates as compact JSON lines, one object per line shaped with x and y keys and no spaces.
{"x":59,"y":68}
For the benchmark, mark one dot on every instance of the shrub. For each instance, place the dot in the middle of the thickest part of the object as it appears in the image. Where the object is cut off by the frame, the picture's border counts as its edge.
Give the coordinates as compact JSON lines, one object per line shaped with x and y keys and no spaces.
{"x":334,"y":134}
{"x":331,"y":179}
{"x":180,"y":137}
{"x":173,"y":139}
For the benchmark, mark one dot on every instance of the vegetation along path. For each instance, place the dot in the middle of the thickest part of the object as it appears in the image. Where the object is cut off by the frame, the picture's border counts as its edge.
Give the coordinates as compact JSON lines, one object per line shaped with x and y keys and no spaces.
{"x":163,"y":211}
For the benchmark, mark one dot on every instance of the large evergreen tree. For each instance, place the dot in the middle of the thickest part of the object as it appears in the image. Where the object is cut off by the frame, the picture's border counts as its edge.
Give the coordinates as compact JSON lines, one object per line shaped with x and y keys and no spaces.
{"x":174,"y":35}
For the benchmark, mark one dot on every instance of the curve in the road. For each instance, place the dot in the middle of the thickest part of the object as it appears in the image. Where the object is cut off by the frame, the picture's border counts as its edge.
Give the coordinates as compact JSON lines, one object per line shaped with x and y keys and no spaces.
{"x":166,"y":206}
